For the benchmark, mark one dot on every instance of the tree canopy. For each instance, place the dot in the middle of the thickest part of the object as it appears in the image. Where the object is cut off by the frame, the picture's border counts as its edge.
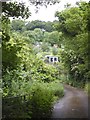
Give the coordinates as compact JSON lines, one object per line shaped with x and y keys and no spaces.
{"x":44,"y":2}
{"x":10,"y":9}
{"x":73,"y":24}
{"x":14,"y":9}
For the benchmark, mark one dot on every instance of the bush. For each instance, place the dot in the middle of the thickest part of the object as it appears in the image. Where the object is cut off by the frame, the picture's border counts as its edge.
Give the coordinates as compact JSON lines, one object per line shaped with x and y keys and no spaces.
{"x":43,"y":96}
{"x":42,"y":93}
{"x":41,"y":100}
{"x":56,"y":88}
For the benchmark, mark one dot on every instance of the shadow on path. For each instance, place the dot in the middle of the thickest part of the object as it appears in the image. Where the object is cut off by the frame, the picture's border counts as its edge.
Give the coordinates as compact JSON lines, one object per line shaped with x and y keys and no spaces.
{"x":73,"y":105}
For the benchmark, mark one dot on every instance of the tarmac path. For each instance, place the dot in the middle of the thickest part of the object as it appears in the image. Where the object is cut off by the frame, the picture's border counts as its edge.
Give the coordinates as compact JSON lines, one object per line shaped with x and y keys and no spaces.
{"x":74,"y":104}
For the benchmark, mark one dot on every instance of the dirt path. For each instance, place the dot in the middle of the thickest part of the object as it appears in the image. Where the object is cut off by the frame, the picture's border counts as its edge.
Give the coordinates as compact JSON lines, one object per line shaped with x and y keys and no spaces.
{"x":73,"y":105}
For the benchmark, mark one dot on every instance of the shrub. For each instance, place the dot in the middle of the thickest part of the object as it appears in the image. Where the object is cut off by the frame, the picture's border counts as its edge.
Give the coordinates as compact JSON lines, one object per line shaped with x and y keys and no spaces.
{"x":56,"y":88}
{"x":41,"y":100}
{"x":43,"y":96}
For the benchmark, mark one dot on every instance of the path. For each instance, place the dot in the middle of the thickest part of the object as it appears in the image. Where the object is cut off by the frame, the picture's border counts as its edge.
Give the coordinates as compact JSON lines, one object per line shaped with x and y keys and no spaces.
{"x":73,"y":105}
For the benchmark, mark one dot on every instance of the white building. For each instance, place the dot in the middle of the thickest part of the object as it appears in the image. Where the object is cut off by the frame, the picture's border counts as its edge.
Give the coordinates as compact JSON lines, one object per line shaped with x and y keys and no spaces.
{"x":52,"y":59}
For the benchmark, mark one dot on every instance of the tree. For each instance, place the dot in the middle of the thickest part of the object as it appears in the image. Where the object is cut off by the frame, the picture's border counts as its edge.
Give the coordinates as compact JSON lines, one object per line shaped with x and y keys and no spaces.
{"x":70,"y":21}
{"x":9,"y":50}
{"x":54,"y":37}
{"x":14,"y":9}
{"x":18,"y":25}
{"x":34,"y":24}
{"x":48,"y":26}
{"x":73,"y":25}
{"x":44,"y":2}
{"x":45,"y":47}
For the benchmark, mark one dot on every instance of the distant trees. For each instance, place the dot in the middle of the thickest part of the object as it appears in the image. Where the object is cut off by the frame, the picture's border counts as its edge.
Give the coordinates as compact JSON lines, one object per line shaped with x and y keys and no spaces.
{"x":54,"y":37}
{"x":34,"y":24}
{"x":20,"y":24}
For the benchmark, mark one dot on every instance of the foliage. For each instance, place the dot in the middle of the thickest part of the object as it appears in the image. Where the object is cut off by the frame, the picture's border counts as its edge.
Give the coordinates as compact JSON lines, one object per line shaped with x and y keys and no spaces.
{"x":14,"y":9}
{"x":55,"y":51}
{"x":87,"y":88}
{"x":35,"y":35}
{"x":23,"y":72}
{"x":43,"y":97}
{"x":41,"y":100}
{"x":10,"y":61}
{"x":53,"y":37}
{"x":9,"y":48}
{"x":40,"y":95}
{"x":38,"y":35}
{"x":30,"y":36}
{"x":16,"y":107}
{"x":22,"y":80}
{"x":18,"y":25}
{"x":43,"y":3}
{"x":34,"y":24}
{"x":13,"y":48}
{"x":30,"y":26}
{"x":45,"y":47}
{"x":73,"y":25}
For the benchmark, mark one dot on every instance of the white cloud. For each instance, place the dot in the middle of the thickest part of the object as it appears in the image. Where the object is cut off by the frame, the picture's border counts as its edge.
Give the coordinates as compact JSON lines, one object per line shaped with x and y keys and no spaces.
{"x":47,"y":14}
{"x":44,"y":13}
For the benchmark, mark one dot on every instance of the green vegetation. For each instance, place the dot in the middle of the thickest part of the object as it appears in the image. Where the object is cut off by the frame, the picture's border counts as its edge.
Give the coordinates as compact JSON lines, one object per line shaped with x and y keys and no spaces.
{"x":25,"y":70}
{"x":73,"y":22}
{"x":87,"y":88}
{"x":44,"y":96}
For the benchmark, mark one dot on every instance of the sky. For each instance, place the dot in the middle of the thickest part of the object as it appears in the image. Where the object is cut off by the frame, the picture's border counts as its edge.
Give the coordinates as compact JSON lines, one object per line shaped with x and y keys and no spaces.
{"x":48,"y":14}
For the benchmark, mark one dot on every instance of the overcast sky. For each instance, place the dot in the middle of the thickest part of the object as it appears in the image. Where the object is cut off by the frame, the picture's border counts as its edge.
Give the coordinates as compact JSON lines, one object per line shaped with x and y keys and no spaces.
{"x":48,"y":14}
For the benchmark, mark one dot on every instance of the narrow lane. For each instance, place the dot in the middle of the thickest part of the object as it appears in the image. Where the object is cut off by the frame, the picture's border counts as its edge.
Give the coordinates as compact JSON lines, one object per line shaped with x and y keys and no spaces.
{"x":73,"y":105}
